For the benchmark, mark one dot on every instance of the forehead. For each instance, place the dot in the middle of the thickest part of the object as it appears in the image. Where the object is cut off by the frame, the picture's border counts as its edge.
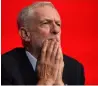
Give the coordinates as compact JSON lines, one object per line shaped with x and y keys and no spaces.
{"x":46,"y":12}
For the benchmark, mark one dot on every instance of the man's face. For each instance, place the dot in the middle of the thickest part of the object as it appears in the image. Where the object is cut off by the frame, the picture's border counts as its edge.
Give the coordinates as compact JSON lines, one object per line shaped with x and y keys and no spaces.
{"x":46,"y":25}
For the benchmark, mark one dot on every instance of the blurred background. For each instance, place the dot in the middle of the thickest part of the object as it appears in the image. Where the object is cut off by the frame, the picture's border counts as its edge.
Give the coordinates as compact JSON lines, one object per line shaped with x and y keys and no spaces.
{"x":79,"y":30}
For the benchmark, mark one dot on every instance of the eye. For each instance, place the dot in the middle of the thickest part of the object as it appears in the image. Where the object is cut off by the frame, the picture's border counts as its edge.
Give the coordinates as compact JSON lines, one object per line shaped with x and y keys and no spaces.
{"x":45,"y":22}
{"x":58,"y":24}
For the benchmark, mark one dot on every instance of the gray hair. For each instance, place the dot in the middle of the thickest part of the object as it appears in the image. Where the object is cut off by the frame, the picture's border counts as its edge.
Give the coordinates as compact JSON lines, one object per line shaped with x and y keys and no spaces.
{"x":24,"y":15}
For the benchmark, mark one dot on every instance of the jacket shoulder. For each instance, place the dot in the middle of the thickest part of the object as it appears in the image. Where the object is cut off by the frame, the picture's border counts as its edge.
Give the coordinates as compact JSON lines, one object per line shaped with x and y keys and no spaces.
{"x":71,"y":61}
{"x":73,"y":71}
{"x":13,"y":52}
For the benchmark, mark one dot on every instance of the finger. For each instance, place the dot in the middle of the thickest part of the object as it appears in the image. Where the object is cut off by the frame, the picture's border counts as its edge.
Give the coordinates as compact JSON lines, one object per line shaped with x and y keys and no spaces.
{"x":50,"y":50}
{"x":55,"y":48}
{"x":61,"y":60}
{"x":43,"y":52}
{"x":57,"y":57}
{"x":61,"y":53}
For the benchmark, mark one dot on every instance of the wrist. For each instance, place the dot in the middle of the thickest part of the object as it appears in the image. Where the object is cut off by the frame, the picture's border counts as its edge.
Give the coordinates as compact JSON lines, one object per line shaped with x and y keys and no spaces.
{"x":45,"y":82}
{"x":59,"y":82}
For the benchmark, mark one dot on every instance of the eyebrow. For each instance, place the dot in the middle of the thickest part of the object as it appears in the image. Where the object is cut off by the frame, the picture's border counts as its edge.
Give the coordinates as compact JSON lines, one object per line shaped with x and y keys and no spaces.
{"x":47,"y":19}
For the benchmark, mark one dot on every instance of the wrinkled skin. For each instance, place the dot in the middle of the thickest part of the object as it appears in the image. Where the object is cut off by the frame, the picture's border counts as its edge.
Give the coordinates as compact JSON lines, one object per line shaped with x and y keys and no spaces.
{"x":45,"y":26}
{"x":50,"y":66}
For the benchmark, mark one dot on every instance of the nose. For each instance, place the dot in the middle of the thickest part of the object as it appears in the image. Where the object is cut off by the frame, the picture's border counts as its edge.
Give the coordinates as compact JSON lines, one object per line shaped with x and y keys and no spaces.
{"x":55,"y":29}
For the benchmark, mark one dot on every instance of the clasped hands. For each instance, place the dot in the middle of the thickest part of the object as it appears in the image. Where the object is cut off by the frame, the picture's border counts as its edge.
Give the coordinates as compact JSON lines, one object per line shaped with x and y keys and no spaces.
{"x":50,"y":65}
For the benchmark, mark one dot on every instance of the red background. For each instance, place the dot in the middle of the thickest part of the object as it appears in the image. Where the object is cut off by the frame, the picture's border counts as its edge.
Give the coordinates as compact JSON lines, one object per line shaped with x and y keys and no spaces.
{"x":79,"y":31}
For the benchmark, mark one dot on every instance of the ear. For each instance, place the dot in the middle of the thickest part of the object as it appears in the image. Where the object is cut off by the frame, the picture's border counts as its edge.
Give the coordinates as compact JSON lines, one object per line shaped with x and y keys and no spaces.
{"x":25,"y":35}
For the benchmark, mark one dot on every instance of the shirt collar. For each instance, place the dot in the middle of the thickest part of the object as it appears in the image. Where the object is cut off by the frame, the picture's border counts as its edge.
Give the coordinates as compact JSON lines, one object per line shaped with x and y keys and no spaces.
{"x":32,"y":59}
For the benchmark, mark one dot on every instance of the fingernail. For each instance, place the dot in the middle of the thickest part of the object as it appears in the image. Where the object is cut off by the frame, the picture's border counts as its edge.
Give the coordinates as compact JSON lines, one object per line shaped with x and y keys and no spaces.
{"x":46,"y":40}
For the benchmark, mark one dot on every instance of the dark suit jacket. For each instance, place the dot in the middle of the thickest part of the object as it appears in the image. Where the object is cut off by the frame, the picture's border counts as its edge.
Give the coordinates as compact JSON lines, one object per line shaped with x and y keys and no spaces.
{"x":17,"y":70}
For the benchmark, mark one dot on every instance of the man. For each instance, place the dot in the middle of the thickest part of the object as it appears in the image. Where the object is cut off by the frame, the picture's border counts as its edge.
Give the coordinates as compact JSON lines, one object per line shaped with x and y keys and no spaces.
{"x":41,"y":60}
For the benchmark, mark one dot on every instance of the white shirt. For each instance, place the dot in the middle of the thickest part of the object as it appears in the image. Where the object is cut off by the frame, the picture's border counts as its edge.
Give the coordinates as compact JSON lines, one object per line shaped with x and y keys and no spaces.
{"x":32,"y":59}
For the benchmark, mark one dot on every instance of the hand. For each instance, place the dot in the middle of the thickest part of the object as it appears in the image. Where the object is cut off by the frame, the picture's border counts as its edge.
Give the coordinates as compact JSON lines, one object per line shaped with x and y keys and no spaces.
{"x":48,"y":64}
{"x":59,"y":80}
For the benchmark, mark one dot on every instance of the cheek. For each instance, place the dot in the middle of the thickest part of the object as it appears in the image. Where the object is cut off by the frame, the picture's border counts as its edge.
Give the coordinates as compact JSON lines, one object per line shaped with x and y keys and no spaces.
{"x":44,"y":33}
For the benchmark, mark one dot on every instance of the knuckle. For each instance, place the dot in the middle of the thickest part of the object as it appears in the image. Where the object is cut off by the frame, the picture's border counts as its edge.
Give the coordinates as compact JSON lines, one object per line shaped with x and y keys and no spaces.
{"x":53,"y":55}
{"x":55,"y":46}
{"x":49,"y":50}
{"x":44,"y":50}
{"x":58,"y":58}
